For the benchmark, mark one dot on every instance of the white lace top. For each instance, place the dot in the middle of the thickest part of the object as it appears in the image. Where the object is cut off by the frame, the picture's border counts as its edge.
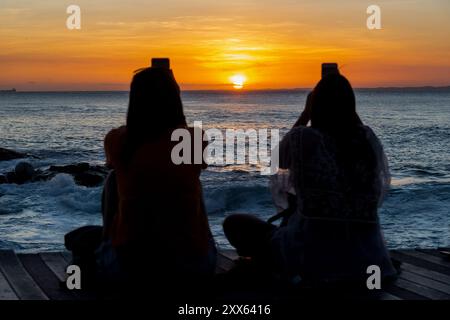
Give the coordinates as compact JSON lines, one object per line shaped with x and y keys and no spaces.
{"x":334,"y":232}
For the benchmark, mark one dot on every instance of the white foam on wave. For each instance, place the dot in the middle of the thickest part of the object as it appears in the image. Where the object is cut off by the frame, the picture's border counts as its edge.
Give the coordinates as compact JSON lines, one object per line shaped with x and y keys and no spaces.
{"x":73,"y":196}
{"x":38,"y":214}
{"x":60,"y":194}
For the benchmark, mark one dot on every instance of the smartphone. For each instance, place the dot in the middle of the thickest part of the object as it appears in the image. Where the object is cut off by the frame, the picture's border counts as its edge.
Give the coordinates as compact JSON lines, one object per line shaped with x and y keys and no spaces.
{"x":329,"y":68}
{"x":161,"y":63}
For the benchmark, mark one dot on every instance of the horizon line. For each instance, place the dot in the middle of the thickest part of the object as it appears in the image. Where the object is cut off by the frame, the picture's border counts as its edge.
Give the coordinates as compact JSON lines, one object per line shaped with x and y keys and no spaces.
{"x":229,"y":90}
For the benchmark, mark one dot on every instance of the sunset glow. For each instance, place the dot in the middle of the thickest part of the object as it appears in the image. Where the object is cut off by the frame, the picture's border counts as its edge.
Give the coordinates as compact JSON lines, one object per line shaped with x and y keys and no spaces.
{"x":280,"y":44}
{"x":238,"y":81}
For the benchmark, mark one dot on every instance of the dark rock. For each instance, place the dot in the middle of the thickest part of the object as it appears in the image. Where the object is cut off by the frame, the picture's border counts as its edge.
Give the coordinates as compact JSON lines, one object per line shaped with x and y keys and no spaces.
{"x":89,"y":179}
{"x":7,"y":154}
{"x":43,"y":175}
{"x":71,"y":168}
{"x":83,"y":174}
{"x":24,"y":172}
{"x":11,"y":177}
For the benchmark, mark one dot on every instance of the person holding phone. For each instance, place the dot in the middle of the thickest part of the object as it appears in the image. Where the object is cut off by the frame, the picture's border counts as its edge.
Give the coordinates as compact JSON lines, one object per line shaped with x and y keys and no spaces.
{"x":333,"y":177}
{"x":154,"y":218}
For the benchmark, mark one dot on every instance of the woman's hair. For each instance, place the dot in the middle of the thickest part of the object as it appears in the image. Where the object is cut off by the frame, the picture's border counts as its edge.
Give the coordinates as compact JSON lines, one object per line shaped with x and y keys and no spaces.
{"x":155,"y":107}
{"x":333,"y":112}
{"x":333,"y":105}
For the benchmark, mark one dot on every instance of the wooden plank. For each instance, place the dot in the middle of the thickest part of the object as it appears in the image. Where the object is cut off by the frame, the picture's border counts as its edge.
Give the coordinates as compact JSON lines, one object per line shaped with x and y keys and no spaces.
{"x":444,"y":252}
{"x":224,"y":263}
{"x":432,"y":252}
{"x":419,"y":262}
{"x":403,"y":293}
{"x":18,"y":277}
{"x":429,"y":283}
{"x":56,"y":263}
{"x":229,"y":253}
{"x":426,"y":273}
{"x":424,"y":276}
{"x":44,"y":277}
{"x":6,"y":292}
{"x":421,"y":290}
{"x":67,"y":256}
{"x":427,"y":257}
{"x":388,"y":296}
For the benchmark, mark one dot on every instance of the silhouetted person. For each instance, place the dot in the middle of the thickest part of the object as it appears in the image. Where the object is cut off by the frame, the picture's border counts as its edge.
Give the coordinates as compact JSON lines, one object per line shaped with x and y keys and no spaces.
{"x":155,"y":227}
{"x":333,"y":176}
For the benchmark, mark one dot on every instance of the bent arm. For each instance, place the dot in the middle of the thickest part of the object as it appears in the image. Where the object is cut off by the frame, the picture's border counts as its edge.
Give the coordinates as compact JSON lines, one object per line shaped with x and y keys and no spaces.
{"x":305,"y":116}
{"x":113,"y":145}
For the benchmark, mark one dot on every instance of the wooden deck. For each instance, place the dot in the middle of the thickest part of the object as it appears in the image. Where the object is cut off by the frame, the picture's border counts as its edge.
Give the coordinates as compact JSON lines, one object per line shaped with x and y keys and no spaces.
{"x":425,"y":275}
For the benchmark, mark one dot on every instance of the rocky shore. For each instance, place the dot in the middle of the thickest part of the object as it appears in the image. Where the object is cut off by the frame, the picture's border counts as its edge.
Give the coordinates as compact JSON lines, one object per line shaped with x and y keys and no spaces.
{"x":83,"y":173}
{"x":7,"y":154}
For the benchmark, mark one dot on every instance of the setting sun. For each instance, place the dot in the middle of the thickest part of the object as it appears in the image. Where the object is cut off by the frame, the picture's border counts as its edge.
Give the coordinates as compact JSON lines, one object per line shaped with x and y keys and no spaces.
{"x":238,"y":81}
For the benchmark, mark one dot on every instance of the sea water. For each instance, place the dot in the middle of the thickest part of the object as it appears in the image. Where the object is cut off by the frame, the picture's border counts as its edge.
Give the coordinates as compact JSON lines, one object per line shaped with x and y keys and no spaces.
{"x":63,"y":128}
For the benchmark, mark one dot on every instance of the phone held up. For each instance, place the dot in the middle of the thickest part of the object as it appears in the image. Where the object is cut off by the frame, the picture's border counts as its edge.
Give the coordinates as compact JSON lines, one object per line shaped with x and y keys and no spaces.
{"x":163,"y":63}
{"x":329,"y":68}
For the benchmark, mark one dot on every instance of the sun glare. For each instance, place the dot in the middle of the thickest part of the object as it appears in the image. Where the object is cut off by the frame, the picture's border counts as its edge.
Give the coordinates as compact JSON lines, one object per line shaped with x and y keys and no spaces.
{"x":238,"y":81}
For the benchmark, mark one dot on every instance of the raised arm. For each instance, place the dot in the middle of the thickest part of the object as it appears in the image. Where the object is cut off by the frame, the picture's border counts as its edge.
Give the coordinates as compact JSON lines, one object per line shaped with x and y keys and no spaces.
{"x":305,"y":116}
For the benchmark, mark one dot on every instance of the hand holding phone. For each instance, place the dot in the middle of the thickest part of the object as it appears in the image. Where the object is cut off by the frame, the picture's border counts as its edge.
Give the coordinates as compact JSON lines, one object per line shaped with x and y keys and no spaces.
{"x":329,"y":68}
{"x":163,"y":63}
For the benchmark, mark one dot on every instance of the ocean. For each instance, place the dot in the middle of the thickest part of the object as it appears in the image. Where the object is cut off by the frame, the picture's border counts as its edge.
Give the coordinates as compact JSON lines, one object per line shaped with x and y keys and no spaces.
{"x":64,"y":128}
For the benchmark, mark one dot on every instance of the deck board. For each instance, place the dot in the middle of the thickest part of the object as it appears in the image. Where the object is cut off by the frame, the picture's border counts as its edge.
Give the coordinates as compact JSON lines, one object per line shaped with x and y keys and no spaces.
{"x":22,"y":283}
{"x":421,"y":290}
{"x":404,"y":294}
{"x":389,"y":296}
{"x":428,"y":257}
{"x":45,"y":278}
{"x":56,"y":262}
{"x":67,"y":256}
{"x":224,"y":263}
{"x":6,"y":291}
{"x":417,"y":261}
{"x":435,"y":253}
{"x":436,"y":285}
{"x":230,"y":254}
{"x":425,"y":275}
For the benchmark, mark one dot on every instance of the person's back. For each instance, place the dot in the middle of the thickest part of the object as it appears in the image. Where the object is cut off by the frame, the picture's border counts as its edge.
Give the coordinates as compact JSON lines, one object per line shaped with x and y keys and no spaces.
{"x":335,"y":233}
{"x":332,"y":178}
{"x":160,"y":203}
{"x":160,"y":225}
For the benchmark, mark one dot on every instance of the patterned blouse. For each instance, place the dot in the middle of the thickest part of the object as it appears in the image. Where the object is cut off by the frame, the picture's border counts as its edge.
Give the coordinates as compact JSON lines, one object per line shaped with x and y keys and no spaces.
{"x":334,"y":233}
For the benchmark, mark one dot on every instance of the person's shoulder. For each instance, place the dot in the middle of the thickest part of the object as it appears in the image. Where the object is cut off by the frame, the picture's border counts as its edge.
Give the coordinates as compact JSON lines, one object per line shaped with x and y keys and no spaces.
{"x":369,"y":133}
{"x":366,"y":129}
{"x":305,"y":132}
{"x":372,"y":138}
{"x":116,"y":135}
{"x":114,"y":143}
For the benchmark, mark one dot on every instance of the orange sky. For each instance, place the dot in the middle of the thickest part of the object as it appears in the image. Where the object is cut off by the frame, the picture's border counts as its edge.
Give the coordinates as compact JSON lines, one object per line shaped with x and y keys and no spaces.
{"x":274,"y":44}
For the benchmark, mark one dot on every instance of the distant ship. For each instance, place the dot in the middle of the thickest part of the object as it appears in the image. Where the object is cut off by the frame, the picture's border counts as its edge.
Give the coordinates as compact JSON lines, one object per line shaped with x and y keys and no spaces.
{"x":10,"y":90}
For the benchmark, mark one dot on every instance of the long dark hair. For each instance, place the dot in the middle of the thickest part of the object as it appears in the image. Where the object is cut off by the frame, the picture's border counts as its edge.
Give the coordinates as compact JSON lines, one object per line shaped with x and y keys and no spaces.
{"x":155,"y":107}
{"x":333,"y":112}
{"x":333,"y":106}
